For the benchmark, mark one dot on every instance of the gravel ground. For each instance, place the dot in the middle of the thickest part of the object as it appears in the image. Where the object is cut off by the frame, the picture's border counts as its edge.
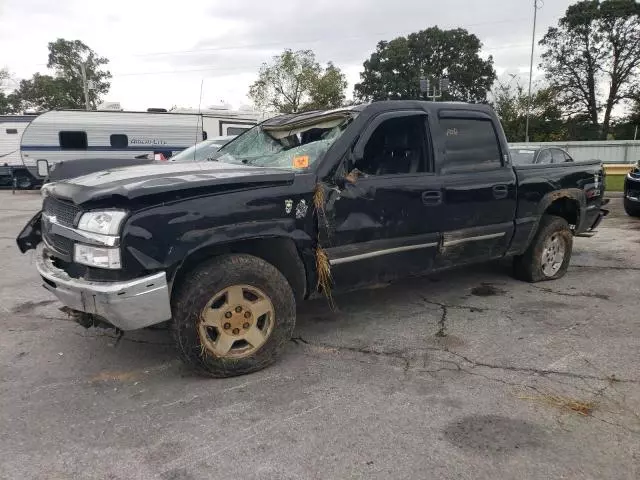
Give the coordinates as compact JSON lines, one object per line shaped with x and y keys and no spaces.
{"x":369,"y":391}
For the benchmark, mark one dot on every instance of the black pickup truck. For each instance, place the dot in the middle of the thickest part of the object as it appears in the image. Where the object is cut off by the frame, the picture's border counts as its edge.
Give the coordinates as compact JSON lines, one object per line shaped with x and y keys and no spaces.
{"x":302,"y":204}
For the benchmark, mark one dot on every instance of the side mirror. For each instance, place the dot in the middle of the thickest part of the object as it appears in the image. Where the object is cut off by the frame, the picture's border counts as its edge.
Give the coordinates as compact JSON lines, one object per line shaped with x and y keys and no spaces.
{"x":43,"y":168}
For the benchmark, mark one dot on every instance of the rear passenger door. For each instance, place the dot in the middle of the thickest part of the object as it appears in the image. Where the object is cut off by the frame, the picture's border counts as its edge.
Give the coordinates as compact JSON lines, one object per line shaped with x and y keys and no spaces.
{"x":479,"y":188}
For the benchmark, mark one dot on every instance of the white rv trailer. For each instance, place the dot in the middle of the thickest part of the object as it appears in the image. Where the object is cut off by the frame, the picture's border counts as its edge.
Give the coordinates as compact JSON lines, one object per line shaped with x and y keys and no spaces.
{"x":11,"y":129}
{"x":63,"y":135}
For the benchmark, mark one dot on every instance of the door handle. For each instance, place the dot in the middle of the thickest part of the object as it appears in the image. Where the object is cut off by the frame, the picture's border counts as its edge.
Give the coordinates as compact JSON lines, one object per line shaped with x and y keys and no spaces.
{"x":432,"y":197}
{"x":500,"y":191}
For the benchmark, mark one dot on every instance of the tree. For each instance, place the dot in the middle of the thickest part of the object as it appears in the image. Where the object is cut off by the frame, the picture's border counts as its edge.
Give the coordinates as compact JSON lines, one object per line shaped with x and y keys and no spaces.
{"x":295,"y":82}
{"x":6,"y":104}
{"x":65,"y":88}
{"x":510,"y":103}
{"x":394,"y":70}
{"x":44,"y":92}
{"x":66,"y":58}
{"x":593,"y":58}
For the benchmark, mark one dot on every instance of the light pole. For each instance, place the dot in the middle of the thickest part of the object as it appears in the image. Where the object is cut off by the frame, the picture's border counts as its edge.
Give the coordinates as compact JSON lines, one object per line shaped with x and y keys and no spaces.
{"x":85,"y":86}
{"x":533,"y":45}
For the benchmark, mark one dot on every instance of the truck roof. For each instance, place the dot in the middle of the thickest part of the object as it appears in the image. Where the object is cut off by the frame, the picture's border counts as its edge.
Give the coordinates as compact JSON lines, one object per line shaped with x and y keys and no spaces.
{"x":295,"y":119}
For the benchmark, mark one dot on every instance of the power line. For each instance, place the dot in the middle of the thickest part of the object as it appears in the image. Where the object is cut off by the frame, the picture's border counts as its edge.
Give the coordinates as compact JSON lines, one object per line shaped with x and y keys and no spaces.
{"x":218,"y":70}
{"x":317,"y":40}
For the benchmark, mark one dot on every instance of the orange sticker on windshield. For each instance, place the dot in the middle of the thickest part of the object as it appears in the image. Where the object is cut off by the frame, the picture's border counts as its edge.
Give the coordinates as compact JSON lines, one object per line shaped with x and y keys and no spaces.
{"x":301,"y":162}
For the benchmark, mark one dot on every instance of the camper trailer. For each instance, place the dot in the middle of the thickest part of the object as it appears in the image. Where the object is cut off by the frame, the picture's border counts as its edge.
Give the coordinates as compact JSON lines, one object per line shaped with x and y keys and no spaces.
{"x":64,"y":135}
{"x":11,"y":129}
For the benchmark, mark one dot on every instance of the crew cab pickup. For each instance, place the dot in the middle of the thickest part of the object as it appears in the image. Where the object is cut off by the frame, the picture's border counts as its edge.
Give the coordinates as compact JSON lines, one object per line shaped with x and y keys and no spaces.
{"x":303,"y":204}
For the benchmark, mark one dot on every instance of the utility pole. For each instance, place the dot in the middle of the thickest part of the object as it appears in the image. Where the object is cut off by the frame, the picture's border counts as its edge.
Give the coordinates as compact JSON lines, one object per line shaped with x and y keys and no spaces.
{"x":85,"y":86}
{"x":533,"y":45}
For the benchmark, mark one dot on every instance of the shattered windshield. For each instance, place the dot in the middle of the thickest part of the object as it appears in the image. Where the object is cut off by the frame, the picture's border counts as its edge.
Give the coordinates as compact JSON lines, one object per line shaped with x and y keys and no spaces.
{"x":293,"y":146}
{"x":201,"y":151}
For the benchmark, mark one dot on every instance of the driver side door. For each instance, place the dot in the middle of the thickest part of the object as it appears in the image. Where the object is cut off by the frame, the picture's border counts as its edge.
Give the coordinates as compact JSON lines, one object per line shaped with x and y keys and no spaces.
{"x":384,"y":224}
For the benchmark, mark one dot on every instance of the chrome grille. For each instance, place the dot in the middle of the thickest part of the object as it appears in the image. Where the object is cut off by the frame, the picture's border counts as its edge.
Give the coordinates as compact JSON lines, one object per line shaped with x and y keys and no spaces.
{"x":65,"y":212}
{"x":59,"y":244}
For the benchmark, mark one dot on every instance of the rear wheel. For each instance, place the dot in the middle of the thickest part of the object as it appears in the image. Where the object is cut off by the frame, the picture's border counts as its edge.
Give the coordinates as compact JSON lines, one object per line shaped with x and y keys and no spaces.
{"x":632,"y":208}
{"x":549,"y":254}
{"x":233,"y":315}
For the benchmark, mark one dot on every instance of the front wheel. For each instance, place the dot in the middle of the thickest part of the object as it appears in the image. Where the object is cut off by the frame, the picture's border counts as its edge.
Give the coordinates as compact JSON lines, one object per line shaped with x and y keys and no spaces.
{"x":233,"y":315}
{"x":632,"y":208}
{"x":548,"y":256}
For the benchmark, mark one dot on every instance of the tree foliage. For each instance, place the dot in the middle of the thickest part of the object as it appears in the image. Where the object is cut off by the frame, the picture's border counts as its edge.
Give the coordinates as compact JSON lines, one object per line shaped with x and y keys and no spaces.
{"x":44,"y":92}
{"x":295,"y":81}
{"x":64,"y":89}
{"x":393,"y":71}
{"x":593,"y":58}
{"x":510,"y":101}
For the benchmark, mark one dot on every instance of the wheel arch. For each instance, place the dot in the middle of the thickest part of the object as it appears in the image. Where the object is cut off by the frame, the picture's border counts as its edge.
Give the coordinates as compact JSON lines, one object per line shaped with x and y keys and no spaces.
{"x":281,"y":252}
{"x":566,"y":203}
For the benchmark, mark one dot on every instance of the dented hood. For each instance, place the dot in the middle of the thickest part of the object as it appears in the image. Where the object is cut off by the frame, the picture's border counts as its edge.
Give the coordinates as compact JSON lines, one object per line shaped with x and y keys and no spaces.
{"x":144,"y":180}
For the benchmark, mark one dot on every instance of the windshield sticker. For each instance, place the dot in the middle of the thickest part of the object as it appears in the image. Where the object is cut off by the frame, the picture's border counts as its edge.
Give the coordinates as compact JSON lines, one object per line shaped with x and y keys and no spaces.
{"x":452,"y":132}
{"x":301,"y":162}
{"x":288,"y":206}
{"x":301,"y":209}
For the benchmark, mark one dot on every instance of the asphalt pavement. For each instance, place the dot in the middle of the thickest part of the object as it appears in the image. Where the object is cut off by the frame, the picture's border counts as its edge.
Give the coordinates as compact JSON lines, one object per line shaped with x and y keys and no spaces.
{"x":468,"y":374}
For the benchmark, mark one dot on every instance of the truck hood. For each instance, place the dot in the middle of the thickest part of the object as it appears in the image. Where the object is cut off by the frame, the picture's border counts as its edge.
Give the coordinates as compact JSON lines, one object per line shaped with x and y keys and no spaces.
{"x":144,"y":180}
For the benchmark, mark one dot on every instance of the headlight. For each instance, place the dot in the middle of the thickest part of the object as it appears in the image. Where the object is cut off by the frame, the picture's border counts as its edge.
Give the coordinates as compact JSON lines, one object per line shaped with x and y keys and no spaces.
{"x":106,"y":223}
{"x":100,"y":257}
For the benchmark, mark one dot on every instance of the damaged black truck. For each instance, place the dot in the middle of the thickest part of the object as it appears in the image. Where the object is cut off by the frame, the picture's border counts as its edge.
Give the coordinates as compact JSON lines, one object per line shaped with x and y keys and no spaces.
{"x":303,"y":204}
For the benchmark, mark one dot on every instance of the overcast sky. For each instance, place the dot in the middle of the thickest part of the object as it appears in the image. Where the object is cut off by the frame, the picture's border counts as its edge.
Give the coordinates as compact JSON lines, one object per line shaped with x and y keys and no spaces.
{"x":160,"y":52}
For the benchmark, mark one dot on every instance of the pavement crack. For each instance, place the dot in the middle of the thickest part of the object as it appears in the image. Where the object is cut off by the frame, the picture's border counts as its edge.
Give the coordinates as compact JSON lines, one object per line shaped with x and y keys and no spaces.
{"x":606,"y":267}
{"x":600,"y":296}
{"x":442,"y":322}
{"x":538,"y":371}
{"x":395,"y":354}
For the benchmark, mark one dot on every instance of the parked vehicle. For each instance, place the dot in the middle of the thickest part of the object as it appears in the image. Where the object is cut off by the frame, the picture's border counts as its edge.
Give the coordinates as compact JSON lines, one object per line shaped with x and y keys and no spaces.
{"x":11,"y":167}
{"x":67,"y":169}
{"x":632,"y":191}
{"x":64,"y":135}
{"x":303,"y":204}
{"x":202,"y":151}
{"x":539,"y":155}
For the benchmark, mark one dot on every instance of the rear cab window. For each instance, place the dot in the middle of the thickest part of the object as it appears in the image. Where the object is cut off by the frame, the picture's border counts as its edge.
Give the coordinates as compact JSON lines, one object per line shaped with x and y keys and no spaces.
{"x":470,"y":144}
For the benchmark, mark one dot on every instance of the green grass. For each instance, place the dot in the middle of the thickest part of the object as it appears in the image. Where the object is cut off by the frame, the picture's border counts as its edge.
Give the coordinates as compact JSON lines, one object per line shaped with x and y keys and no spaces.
{"x":614,"y":183}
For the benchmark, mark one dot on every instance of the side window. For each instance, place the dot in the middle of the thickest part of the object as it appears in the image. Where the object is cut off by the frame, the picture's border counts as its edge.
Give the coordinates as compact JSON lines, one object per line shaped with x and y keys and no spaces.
{"x":73,"y":140}
{"x":470,"y":144}
{"x":236,"y":130}
{"x":397,"y":146}
{"x":12,"y":131}
{"x":567,"y":157}
{"x":545,"y":157}
{"x":558,"y":155}
{"x":119,"y":140}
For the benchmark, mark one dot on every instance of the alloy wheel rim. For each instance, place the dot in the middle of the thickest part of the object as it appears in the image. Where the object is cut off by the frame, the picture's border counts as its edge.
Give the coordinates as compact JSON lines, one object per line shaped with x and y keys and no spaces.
{"x":553,"y":255}
{"x":236,"y":322}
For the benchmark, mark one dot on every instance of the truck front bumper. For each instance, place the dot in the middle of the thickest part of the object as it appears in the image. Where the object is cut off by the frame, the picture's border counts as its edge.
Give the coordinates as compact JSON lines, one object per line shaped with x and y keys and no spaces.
{"x":128,"y":305}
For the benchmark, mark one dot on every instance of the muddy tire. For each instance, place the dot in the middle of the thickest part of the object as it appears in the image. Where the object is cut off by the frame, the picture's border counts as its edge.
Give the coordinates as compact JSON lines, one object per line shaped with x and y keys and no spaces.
{"x":549,"y":254}
{"x":632,"y":209}
{"x":232,"y":315}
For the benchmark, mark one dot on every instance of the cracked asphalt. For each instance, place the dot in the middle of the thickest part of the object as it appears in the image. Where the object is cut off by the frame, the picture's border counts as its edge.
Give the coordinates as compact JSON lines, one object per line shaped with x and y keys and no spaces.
{"x":468,"y":374}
